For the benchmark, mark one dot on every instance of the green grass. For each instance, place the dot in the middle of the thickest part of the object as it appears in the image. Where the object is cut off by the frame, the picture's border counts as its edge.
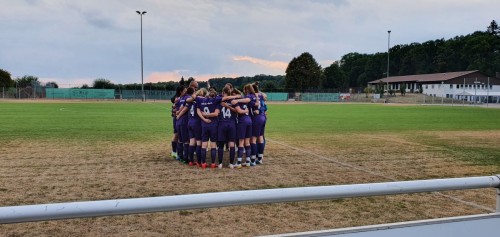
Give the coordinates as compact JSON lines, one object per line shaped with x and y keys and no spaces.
{"x":85,"y":121}
{"x":357,"y":118}
{"x":94,"y":121}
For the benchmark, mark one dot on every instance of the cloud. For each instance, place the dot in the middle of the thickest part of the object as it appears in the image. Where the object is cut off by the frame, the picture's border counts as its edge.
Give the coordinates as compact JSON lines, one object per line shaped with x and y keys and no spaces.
{"x":177,"y":74}
{"x":92,"y":39}
{"x":273,"y":65}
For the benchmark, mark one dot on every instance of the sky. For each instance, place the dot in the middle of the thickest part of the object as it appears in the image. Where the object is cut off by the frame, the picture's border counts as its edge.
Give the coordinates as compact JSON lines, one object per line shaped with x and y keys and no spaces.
{"x":75,"y":42}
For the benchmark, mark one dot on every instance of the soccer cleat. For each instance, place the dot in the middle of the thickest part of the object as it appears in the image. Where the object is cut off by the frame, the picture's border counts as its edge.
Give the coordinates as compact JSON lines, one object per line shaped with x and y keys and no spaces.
{"x":258,"y":162}
{"x":252,"y":164}
{"x":231,"y":166}
{"x":191,"y":164}
{"x":213,"y":166}
{"x":173,"y":154}
{"x":204,"y":165}
{"x":237,"y":166}
{"x":247,"y":164}
{"x":220,"y":166}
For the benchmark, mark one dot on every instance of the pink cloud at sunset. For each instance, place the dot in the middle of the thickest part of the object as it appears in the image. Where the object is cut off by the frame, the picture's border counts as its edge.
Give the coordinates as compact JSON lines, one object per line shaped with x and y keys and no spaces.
{"x":274,"y":65}
{"x":176,"y":76}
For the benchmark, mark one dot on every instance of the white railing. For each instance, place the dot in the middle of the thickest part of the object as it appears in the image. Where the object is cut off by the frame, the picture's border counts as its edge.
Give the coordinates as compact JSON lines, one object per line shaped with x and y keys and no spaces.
{"x":55,"y":211}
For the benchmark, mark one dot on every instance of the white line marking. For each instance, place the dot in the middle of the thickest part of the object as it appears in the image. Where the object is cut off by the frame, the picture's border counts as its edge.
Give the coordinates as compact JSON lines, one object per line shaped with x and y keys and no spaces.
{"x":478,"y":206}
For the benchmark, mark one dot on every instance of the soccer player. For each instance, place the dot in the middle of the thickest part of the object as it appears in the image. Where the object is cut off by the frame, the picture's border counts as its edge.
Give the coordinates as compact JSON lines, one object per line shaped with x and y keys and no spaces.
{"x":208,"y":111}
{"x":181,"y":124}
{"x":193,"y":127}
{"x":175,"y":107}
{"x":244,"y":126}
{"x":227,"y":127}
{"x":259,"y":125}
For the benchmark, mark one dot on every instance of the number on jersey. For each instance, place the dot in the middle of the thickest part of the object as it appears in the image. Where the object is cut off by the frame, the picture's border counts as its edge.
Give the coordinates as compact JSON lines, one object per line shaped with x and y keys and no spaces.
{"x":245,"y":107}
{"x":191,"y":111}
{"x":226,"y":113}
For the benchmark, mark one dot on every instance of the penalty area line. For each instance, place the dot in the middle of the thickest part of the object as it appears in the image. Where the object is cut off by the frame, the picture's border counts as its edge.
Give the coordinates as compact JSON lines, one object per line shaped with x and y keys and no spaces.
{"x":472,"y":204}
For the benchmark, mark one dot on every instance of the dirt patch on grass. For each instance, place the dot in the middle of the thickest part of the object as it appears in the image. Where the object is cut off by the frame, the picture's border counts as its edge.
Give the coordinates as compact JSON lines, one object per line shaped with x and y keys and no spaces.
{"x":61,"y":171}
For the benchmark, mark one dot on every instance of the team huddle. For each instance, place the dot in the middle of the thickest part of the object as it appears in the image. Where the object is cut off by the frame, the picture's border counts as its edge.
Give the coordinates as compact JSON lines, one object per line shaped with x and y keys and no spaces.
{"x":231,"y":119}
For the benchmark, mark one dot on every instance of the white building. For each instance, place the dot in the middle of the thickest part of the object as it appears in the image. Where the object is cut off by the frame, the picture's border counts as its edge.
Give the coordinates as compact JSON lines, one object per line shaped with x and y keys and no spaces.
{"x":467,"y":85}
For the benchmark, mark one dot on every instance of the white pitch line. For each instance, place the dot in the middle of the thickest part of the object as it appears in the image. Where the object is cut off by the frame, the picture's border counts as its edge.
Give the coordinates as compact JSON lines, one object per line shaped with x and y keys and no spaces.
{"x":472,"y":204}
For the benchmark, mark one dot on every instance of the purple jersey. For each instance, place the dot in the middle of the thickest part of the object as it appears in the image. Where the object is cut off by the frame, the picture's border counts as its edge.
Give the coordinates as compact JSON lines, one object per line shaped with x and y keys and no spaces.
{"x":192,"y":115}
{"x":227,"y":115}
{"x":208,"y":105}
{"x":182,"y":104}
{"x":252,"y":103}
{"x":244,"y":118}
{"x":194,"y":122}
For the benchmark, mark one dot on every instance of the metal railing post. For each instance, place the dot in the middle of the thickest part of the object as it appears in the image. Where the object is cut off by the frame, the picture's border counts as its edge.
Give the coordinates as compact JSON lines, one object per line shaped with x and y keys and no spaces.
{"x":498,"y":200}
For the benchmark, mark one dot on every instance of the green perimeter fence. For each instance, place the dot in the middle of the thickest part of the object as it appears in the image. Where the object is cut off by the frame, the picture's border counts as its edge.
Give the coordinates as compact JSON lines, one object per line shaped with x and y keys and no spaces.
{"x":109,"y":94}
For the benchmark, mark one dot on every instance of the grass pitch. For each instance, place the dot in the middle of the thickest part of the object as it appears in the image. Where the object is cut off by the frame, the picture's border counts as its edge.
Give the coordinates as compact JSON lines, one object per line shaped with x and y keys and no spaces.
{"x":73,"y":151}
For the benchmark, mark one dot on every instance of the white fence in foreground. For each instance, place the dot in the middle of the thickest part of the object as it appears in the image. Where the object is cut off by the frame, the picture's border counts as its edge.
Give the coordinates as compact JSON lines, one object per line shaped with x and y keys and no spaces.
{"x":56,"y":211}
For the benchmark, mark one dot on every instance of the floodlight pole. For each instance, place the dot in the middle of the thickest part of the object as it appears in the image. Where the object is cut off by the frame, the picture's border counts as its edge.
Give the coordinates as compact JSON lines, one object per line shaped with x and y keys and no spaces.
{"x":475,"y":90}
{"x":142,"y":61}
{"x":388,"y":47}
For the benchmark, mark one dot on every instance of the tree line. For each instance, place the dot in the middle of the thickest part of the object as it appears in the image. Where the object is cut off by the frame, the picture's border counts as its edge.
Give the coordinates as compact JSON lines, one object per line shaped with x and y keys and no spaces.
{"x":477,"y":51}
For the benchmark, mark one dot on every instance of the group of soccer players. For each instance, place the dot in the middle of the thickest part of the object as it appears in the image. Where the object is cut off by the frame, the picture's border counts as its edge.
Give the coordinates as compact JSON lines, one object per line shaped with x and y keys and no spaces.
{"x":228,"y":118}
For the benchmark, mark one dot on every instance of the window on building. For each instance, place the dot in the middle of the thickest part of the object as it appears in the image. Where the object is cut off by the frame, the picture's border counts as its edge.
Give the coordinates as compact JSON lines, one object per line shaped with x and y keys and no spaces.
{"x":451,"y":86}
{"x":491,"y":87}
{"x":432,"y":86}
{"x":458,"y":86}
{"x":426,"y":86}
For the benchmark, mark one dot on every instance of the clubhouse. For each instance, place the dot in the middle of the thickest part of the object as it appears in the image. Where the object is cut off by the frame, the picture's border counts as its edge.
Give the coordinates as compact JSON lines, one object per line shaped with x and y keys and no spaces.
{"x":465,"y":85}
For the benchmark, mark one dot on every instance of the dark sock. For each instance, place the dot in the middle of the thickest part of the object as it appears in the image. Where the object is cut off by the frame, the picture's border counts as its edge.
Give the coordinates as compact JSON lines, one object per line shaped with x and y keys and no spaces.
{"x":203,"y":155}
{"x":248,"y":151}
{"x":213,"y":154}
{"x":186,"y":151}
{"x":254,"y":151}
{"x":260,"y":150}
{"x":191,"y":153}
{"x":231,"y":154}
{"x":174,"y":146}
{"x":240,"y":154}
{"x":180,"y":150}
{"x":198,"y":153}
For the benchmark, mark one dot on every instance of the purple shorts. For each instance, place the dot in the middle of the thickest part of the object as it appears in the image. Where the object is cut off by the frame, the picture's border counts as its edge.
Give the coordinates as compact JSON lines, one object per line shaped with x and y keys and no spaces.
{"x":244,"y":130}
{"x":258,"y":125}
{"x":227,"y":131}
{"x":174,"y":121}
{"x":209,"y":132}
{"x":182,"y":129}
{"x":194,"y":129}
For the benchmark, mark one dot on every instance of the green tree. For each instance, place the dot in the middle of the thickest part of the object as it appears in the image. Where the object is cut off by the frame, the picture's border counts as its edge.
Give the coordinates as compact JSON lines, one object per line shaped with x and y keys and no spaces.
{"x":5,"y":79}
{"x":303,"y":72}
{"x":402,"y":89}
{"x":367,"y":90}
{"x":27,"y":81}
{"x":268,"y":86}
{"x":51,"y":84}
{"x":334,"y":78}
{"x":493,"y":28}
{"x":102,"y":83}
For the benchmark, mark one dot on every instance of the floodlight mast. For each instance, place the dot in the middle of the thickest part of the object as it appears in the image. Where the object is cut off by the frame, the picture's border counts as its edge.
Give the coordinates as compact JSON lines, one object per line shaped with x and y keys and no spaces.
{"x":142,"y":60}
